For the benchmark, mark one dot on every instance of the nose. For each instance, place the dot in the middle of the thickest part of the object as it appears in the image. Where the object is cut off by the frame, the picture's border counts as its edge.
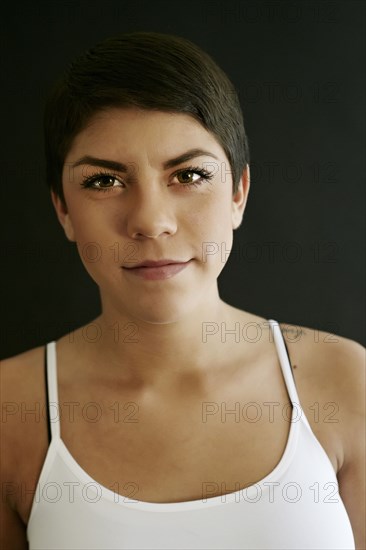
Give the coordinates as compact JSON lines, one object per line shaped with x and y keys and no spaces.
{"x":151,"y":214}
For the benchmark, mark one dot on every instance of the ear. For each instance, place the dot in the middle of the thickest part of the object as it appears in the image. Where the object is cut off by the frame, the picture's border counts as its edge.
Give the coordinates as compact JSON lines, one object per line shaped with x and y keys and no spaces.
{"x":63,"y":216}
{"x":240,"y":198}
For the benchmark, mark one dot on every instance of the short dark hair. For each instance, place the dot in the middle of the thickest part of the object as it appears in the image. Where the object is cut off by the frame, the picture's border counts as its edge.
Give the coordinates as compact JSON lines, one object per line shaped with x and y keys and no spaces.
{"x":148,"y":70}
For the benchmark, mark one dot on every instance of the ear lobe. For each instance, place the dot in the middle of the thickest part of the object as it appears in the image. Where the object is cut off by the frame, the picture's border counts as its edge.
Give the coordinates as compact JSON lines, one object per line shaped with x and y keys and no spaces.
{"x":63,"y":216}
{"x":240,"y":198}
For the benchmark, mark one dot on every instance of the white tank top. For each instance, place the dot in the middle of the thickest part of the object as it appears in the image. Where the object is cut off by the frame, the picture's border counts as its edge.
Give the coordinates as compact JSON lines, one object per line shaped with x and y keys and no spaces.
{"x":296,"y":506}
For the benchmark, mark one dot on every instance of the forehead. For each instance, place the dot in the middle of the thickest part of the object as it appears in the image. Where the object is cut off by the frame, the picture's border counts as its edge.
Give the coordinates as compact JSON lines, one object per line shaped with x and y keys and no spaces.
{"x":131,"y":131}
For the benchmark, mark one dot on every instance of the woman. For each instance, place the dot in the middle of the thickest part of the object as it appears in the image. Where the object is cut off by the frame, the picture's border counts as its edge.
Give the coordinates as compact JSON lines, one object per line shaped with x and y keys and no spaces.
{"x":173,"y":420}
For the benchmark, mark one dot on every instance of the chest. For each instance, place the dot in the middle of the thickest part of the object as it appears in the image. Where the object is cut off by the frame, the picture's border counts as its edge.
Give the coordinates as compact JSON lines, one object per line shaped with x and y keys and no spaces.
{"x":175,"y":449}
{"x":171,"y":456}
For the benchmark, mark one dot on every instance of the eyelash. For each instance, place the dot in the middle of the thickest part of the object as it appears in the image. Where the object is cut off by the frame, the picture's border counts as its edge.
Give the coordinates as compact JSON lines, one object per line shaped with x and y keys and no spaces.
{"x":204,"y":176}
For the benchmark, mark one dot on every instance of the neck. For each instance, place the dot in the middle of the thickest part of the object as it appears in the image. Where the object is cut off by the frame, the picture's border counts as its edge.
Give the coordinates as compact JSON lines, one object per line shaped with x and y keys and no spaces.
{"x":143,"y":354}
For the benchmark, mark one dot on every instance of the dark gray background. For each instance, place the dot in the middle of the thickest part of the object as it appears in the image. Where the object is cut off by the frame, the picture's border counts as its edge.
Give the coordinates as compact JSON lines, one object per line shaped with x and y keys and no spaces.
{"x":299,"y":70}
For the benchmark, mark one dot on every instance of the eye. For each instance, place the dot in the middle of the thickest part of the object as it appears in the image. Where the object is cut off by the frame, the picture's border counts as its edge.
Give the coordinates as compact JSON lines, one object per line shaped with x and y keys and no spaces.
{"x":101,"y":182}
{"x":193,"y":176}
{"x":188,"y":176}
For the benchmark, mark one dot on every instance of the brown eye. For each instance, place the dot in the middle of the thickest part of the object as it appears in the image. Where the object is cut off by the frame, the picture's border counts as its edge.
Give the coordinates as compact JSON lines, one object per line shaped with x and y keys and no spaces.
{"x":105,"y":181}
{"x":101,"y":182}
{"x":187,"y":176}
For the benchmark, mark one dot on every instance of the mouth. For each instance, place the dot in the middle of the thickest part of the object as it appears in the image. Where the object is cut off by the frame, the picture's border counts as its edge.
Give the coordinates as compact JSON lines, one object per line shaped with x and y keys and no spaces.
{"x":157,"y":270}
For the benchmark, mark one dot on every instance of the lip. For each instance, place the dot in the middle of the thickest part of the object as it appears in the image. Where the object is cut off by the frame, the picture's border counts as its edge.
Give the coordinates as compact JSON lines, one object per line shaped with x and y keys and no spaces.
{"x":154,"y":263}
{"x":154,"y":271}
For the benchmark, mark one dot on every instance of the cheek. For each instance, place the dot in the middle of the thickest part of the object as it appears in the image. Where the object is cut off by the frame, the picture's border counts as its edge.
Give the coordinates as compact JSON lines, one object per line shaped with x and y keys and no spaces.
{"x":211,"y":230}
{"x":94,"y":240}
{"x":88,"y":220}
{"x":214,"y":214}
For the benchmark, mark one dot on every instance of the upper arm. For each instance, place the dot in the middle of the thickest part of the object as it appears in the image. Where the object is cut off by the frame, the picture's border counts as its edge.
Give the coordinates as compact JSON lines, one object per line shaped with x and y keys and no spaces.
{"x":12,"y":528}
{"x":351,"y":476}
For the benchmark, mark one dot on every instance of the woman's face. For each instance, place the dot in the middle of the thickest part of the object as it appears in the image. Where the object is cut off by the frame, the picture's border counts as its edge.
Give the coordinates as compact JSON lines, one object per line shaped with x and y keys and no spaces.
{"x":128,"y":202}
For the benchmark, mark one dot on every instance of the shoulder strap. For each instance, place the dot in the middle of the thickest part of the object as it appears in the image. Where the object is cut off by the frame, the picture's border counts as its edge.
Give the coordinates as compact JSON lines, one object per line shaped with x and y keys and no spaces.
{"x":47,"y":397}
{"x":284,"y":360}
{"x":53,"y":409}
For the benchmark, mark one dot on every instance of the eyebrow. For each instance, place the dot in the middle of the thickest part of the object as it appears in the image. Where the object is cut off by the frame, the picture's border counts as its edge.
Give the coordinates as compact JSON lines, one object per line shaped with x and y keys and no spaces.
{"x":120,"y":167}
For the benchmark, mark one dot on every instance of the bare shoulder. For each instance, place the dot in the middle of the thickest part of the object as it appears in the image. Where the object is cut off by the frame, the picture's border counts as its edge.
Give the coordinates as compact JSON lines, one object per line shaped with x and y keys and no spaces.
{"x":19,"y":376}
{"x":330,"y":371}
{"x":22,"y":394}
{"x":322,"y":355}
{"x":20,"y":365}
